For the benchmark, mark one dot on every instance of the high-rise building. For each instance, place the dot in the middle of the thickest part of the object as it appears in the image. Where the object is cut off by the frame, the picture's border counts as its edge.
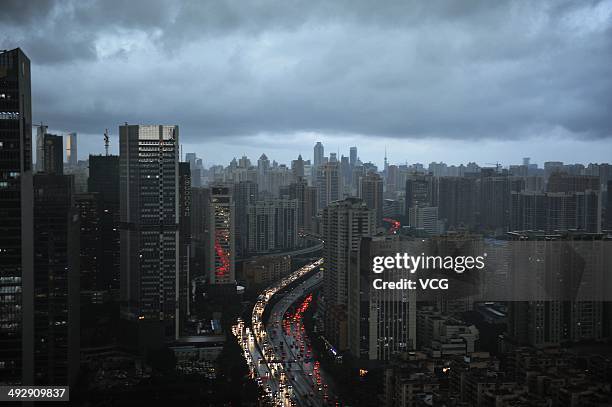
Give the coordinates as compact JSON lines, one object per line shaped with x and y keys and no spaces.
{"x":245,"y":193}
{"x":200,"y":204}
{"x":344,"y":223}
{"x":494,"y":205}
{"x":263,"y":174}
{"x":103,"y":188}
{"x":371,"y":192}
{"x":319,"y":153}
{"x":457,"y":202}
{"x":16,"y":214}
{"x":53,"y":154}
{"x":56,"y":281}
{"x":381,"y":323}
{"x":272,"y":225}
{"x":149,"y":189}
{"x":353,"y":156}
{"x":221,"y":237}
{"x":71,"y":149}
{"x":297,"y":167}
{"x":182,"y":292}
{"x":41,"y":130}
{"x":329,"y":183}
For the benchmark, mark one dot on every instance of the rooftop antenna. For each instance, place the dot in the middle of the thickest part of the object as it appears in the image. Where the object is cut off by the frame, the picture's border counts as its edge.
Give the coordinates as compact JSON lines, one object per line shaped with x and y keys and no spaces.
{"x":106,"y":141}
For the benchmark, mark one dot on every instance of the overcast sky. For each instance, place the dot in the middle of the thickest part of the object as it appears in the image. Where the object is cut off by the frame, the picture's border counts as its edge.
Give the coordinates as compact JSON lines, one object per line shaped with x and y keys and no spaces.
{"x":452,"y":81}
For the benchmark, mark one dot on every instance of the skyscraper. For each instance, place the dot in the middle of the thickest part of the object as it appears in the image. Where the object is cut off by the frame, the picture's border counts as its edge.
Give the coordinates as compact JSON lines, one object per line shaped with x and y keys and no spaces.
{"x":182,"y":292}
{"x":244,"y":194}
{"x":319,"y":153}
{"x":53,"y":154}
{"x":221,"y":239}
{"x":149,"y":187}
{"x":329,"y":183}
{"x":41,"y":130}
{"x":103,"y":188}
{"x":16,"y":212}
{"x":371,"y":191}
{"x":71,"y":149}
{"x":56,"y":281}
{"x":381,"y":323}
{"x":344,"y":223}
{"x":353,"y":156}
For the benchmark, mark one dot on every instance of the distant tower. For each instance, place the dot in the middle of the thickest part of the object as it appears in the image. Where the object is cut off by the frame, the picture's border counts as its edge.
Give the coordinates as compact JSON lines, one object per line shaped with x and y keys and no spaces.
{"x":71,"y":149}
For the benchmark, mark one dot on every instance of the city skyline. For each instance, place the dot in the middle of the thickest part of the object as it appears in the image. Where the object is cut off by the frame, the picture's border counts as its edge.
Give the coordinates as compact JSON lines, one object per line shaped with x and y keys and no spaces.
{"x":271,"y":79}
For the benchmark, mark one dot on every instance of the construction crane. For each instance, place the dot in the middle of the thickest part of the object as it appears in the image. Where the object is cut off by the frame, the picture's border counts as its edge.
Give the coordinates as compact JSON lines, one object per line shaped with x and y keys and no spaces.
{"x":106,"y":141}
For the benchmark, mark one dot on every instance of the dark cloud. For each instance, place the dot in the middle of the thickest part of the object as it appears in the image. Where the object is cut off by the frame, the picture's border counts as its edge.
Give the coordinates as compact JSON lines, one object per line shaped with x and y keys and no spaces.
{"x":401,"y":69}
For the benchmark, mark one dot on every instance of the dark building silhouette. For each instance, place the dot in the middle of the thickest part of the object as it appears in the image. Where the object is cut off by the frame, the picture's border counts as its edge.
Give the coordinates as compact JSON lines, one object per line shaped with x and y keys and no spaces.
{"x":245,"y":193}
{"x":16,"y":214}
{"x":457,"y":202}
{"x":184,"y":242}
{"x":56,"y":281}
{"x":54,"y":154}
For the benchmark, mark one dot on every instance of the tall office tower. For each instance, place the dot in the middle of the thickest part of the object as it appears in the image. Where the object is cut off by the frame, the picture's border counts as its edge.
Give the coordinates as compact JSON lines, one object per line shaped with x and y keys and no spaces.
{"x":391,"y":182}
{"x":381,"y":323}
{"x":56,"y":281}
{"x":344,"y":223}
{"x":261,"y":227}
{"x":71,"y":149}
{"x":103,"y":183}
{"x":263,"y":173}
{"x":53,"y":154}
{"x":457,"y":203}
{"x":221,"y":237}
{"x":16,"y":210}
{"x":353,"y":157}
{"x":200,"y":203}
{"x":494,"y":205}
{"x":182,"y":293}
{"x":550,"y":211}
{"x":41,"y":130}
{"x":306,"y":204}
{"x":333,"y":158}
{"x":297,"y":168}
{"x":149,"y":189}
{"x":245,"y":194}
{"x":272,"y":225}
{"x":346,"y":170}
{"x":329,"y":183}
{"x":371,"y":192}
{"x":319,"y":153}
{"x":297,"y":190}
